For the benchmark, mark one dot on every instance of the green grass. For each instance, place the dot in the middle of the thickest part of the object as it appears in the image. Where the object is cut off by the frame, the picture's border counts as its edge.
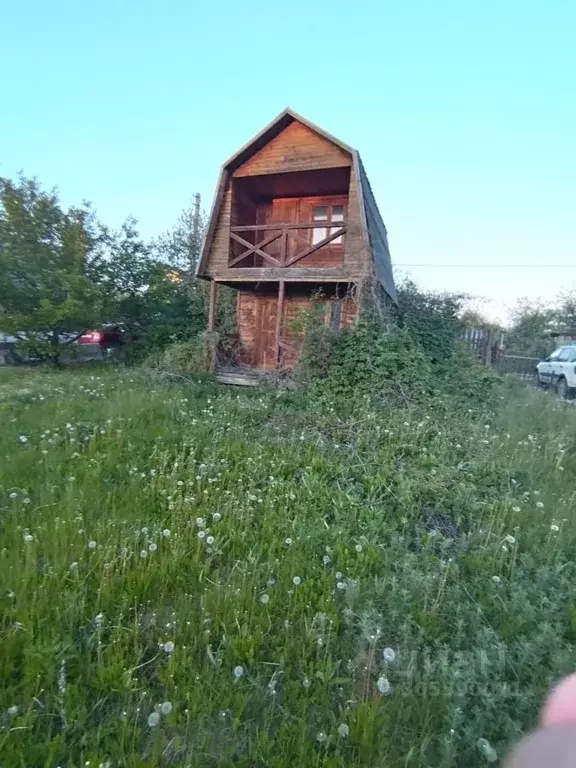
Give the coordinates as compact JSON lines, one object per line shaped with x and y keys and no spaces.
{"x":293,"y":552}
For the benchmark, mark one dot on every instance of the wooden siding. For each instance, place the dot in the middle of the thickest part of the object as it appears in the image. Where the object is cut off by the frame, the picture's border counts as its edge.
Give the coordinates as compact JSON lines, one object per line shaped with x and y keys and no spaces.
{"x":296,"y":148}
{"x":356,"y":247}
{"x":218,"y":256}
{"x":256,"y":321}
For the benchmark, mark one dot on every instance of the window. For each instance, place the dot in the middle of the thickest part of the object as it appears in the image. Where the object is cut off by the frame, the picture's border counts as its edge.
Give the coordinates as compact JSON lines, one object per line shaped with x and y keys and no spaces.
{"x":335,"y":315}
{"x":566,"y":355}
{"x":555,"y":355}
{"x":327,"y":215}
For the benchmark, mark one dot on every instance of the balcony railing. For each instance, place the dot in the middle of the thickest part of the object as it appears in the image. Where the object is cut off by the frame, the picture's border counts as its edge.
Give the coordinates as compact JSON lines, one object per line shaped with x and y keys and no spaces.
{"x":281,"y":245}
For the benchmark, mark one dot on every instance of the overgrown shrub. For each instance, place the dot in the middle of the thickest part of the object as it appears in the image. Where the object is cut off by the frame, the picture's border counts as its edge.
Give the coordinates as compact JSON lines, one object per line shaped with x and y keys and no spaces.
{"x":182,"y":357}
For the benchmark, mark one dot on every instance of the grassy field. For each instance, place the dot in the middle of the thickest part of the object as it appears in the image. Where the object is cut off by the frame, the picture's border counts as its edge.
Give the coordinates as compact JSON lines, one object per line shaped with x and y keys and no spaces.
{"x":199,"y":576}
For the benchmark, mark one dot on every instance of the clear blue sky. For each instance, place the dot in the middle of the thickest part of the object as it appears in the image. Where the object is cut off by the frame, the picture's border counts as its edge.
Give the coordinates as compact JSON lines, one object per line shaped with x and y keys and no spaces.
{"x":464,"y":112}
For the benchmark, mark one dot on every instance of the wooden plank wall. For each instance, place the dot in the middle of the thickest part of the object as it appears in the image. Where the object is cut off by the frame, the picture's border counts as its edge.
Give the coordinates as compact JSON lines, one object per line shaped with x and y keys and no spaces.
{"x":296,"y":148}
{"x":356,"y":250}
{"x":256,"y":316}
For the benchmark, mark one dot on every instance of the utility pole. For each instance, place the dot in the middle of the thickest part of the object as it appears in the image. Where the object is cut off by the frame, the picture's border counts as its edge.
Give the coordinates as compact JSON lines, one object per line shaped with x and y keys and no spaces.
{"x":195,"y":233}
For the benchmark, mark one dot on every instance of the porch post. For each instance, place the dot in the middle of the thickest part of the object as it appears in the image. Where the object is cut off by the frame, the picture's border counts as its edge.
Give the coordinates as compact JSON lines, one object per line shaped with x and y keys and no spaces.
{"x":212,"y":304}
{"x":210,"y":340}
{"x":279,"y":311}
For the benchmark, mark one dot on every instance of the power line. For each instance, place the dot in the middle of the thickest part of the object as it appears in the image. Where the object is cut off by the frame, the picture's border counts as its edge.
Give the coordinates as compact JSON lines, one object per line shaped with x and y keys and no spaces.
{"x":492,"y":266}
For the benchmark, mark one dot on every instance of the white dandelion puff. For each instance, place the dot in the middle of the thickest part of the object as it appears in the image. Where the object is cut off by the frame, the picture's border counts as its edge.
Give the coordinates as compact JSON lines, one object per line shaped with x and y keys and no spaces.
{"x":238,"y":672}
{"x":510,"y":539}
{"x":554,"y":528}
{"x":383,"y":685}
{"x":210,"y":540}
{"x":343,"y":731}
{"x":326,"y":560}
{"x":341,"y":585}
{"x":321,"y":737}
{"x":166,"y":707}
{"x":296,"y":580}
{"x":200,"y":521}
{"x":496,"y":579}
{"x":92,"y":545}
{"x":166,"y":533}
{"x":264,"y":598}
{"x":23,"y":439}
{"x":201,"y":534}
{"x":143,"y":554}
{"x":338,"y":575}
{"x":152,"y":547}
{"x":358,"y":547}
{"x":540,"y":505}
{"x":13,"y":710}
{"x":13,"y":495}
{"x":487,"y":750}
{"x":153,"y":719}
{"x":288,"y":541}
{"x":28,"y":538}
{"x":169,"y":646}
{"x":216,"y":517}
{"x":389,"y":655}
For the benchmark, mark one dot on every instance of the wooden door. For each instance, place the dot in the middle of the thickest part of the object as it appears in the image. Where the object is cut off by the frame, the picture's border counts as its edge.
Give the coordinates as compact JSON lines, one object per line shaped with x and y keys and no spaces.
{"x":265,"y":336}
{"x":284,"y":210}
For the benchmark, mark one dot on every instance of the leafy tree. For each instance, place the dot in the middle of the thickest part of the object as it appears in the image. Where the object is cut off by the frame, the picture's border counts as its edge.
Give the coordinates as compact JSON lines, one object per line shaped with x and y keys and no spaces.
{"x":46,"y":257}
{"x":431,"y":318}
{"x":529,"y":334}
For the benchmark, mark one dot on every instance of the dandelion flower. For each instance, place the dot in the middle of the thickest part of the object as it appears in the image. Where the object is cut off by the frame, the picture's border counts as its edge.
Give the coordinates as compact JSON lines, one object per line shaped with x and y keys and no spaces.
{"x":389,"y":654}
{"x":152,"y":547}
{"x":153,"y":719}
{"x":166,"y":533}
{"x":554,"y":528}
{"x":216,"y":517}
{"x":200,"y":521}
{"x":201,"y":534}
{"x":169,"y":646}
{"x":144,"y":531}
{"x":383,"y":685}
{"x":13,"y":710}
{"x":306,"y":682}
{"x":264,"y":598}
{"x":23,"y":439}
{"x":358,"y":547}
{"x":487,"y":750}
{"x":338,"y":575}
{"x":326,"y":560}
{"x":296,"y":581}
{"x":143,"y":554}
{"x":166,"y":707}
{"x":341,"y":585}
{"x":73,"y":566}
{"x":288,"y":541}
{"x":238,"y":672}
{"x":343,"y":731}
{"x":496,"y":579}
{"x":210,"y":540}
{"x":510,"y":539}
{"x":321,"y":737}
{"x":92,"y":545}
{"x":28,"y":538}
{"x":515,"y":509}
{"x":540,"y":505}
{"x":13,"y":495}
{"x":26,"y":501}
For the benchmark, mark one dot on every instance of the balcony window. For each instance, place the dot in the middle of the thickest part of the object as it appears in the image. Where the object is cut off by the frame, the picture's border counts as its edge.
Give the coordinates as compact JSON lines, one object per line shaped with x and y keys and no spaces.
{"x":331,"y":217}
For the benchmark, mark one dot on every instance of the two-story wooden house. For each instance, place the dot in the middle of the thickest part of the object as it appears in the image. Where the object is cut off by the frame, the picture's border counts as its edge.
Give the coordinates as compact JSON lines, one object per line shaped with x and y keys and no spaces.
{"x":293,"y":218}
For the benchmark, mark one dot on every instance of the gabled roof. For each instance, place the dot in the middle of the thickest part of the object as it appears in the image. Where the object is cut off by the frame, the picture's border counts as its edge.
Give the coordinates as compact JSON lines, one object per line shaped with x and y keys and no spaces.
{"x":373,"y":224}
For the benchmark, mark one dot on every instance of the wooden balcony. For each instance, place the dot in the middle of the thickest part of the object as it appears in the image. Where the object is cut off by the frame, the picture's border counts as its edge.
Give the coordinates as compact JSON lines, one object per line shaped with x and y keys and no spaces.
{"x":286,"y":245}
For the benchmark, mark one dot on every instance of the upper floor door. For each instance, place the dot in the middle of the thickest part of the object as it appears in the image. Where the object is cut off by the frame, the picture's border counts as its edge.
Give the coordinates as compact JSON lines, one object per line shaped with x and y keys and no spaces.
{"x":318,"y":218}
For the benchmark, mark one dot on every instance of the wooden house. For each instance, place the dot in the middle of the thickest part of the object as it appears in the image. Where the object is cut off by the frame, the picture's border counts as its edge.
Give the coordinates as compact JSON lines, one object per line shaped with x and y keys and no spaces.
{"x":294,"y":218}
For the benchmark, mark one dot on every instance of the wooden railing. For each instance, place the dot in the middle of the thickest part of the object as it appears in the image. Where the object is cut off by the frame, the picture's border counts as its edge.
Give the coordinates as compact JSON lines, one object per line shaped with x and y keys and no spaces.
{"x":279,"y":246}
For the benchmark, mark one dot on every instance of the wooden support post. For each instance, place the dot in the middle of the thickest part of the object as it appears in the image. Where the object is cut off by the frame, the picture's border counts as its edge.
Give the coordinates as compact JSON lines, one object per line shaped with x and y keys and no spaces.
{"x":212,"y":304}
{"x":279,"y":311}
{"x":210,"y":340}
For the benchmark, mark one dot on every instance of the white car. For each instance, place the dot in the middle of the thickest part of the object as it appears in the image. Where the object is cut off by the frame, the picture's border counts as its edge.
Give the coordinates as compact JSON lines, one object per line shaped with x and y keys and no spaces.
{"x":559,"y":371}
